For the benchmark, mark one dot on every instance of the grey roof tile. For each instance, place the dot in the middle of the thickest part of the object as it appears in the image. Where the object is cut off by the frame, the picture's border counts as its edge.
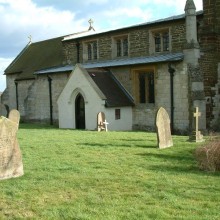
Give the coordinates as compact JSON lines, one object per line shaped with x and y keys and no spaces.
{"x":116,"y":95}
{"x":120,"y":62}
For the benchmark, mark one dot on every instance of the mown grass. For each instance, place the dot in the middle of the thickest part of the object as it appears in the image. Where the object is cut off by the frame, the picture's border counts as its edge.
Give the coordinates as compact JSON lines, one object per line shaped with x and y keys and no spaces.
{"x":72,"y":174}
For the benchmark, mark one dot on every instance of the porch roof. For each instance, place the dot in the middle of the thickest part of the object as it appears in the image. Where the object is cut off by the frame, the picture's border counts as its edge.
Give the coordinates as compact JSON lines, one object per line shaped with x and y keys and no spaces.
{"x":115,"y":93}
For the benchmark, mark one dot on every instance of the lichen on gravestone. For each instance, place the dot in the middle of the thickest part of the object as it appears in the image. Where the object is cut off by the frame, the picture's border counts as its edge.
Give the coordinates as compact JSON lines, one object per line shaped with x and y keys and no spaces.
{"x":10,"y":155}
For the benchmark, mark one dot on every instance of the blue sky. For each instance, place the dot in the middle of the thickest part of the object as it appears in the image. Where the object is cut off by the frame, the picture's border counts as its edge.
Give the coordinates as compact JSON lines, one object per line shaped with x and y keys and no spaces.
{"x":44,"y":19}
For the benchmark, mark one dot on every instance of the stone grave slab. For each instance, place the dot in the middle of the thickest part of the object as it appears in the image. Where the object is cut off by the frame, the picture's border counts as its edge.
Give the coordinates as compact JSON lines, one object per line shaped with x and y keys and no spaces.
{"x":10,"y":155}
{"x":101,"y":122}
{"x":164,"y":137}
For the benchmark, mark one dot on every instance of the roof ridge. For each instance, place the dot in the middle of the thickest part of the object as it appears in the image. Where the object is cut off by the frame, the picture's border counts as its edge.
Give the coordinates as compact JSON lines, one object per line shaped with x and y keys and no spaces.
{"x":49,"y":39}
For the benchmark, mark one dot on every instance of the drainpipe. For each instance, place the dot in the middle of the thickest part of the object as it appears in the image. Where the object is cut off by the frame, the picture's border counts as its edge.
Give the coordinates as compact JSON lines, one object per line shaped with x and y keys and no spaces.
{"x":78,"y":51}
{"x":16,"y":91}
{"x":50,"y":97}
{"x":171,"y":71}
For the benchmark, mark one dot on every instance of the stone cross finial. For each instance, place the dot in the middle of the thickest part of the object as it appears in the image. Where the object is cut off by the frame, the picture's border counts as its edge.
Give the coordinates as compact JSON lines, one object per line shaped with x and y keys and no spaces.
{"x":30,"y":39}
{"x":91,"y":24}
{"x":197,"y":114}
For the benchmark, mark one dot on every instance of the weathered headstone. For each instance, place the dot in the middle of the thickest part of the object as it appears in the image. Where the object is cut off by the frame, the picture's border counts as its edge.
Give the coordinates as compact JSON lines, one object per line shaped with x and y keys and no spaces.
{"x":164,"y":137}
{"x":101,"y":122}
{"x":14,"y":116}
{"x":10,"y":156}
{"x":196,"y":135}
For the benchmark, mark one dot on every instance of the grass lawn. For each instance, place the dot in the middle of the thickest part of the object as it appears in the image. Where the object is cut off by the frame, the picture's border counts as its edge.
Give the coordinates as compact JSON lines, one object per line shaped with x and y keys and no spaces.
{"x":72,"y":174}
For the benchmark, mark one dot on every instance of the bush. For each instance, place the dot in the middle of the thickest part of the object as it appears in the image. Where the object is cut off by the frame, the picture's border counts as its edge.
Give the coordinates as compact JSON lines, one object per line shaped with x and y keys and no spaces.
{"x":208,"y":156}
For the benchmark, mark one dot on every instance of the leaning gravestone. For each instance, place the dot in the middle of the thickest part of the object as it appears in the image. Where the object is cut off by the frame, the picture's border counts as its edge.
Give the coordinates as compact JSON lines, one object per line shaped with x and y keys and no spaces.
{"x":10,"y":156}
{"x":100,"y":121}
{"x":164,"y":137}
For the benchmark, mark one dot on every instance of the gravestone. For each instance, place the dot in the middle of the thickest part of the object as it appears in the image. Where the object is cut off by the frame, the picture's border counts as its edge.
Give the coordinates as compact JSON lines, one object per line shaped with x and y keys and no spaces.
{"x":101,"y":122}
{"x":164,"y":137}
{"x":10,"y":156}
{"x":14,"y":116}
{"x":196,"y":135}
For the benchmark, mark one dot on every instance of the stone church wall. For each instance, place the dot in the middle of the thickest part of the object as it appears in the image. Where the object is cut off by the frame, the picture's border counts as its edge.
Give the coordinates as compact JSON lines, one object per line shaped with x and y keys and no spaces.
{"x":209,"y":39}
{"x":23,"y":93}
{"x":215,"y":123}
{"x":139,"y":41}
{"x":38,"y":102}
{"x":163,"y":94}
{"x":144,"y":114}
{"x":9,"y":95}
{"x":58,"y":83}
{"x":33,"y":97}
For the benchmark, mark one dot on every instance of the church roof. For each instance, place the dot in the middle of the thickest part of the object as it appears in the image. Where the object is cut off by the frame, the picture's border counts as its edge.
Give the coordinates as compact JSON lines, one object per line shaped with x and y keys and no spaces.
{"x":137,"y":60}
{"x":35,"y":56}
{"x":120,"y":62}
{"x":116,"y":95}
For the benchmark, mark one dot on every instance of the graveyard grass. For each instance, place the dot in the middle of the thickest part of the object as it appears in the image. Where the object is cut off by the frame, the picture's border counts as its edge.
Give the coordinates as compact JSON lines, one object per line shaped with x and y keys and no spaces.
{"x":72,"y":174}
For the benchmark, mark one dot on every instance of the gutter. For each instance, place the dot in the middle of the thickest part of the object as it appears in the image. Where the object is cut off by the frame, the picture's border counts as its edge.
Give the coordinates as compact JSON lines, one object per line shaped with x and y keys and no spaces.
{"x":16,"y":92}
{"x":171,"y":70}
{"x":50,"y":99}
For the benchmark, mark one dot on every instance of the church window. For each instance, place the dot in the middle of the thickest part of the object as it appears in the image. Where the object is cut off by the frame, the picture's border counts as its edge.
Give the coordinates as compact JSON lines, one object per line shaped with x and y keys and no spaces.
{"x":90,"y":51}
{"x":125,"y":47}
{"x":95,"y":55}
{"x":144,"y":86}
{"x":120,"y":46}
{"x":157,"y":43}
{"x":160,"y":41}
{"x":166,"y":42}
{"x":117,"y":114}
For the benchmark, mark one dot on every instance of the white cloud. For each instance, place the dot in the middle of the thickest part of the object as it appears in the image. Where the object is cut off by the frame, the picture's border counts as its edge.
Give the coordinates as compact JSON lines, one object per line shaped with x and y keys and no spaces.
{"x":134,"y":12}
{"x":126,"y":12}
{"x":99,"y":2}
{"x":41,"y":22}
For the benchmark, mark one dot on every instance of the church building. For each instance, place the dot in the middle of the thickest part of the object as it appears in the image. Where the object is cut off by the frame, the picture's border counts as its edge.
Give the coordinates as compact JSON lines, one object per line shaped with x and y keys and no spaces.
{"x":127,"y":73}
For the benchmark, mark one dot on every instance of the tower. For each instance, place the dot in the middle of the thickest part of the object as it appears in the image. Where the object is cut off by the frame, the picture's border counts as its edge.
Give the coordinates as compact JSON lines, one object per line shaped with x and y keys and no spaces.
{"x":209,"y":39}
{"x":191,"y":58}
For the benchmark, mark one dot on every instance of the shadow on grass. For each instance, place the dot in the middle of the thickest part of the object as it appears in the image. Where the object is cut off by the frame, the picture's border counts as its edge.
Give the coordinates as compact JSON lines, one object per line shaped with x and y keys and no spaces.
{"x":138,"y":140}
{"x":118,"y":145}
{"x":168,"y":157}
{"x":177,"y":164}
{"x":36,"y":126}
{"x":178,"y":169}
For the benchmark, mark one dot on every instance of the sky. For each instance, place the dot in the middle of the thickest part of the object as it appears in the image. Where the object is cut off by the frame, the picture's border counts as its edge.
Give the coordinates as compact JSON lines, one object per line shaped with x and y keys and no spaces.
{"x":45,"y":19}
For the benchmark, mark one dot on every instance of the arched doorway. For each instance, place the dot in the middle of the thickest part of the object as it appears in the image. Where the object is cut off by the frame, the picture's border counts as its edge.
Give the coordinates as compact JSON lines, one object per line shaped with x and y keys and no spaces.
{"x":80,"y":112}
